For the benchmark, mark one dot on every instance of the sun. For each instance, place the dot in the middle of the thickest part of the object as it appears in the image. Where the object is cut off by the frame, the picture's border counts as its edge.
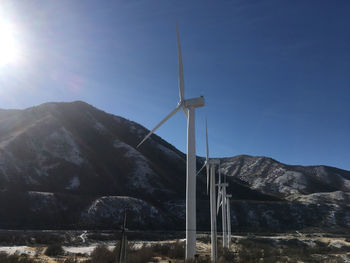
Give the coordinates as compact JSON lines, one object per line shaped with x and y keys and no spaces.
{"x":8,"y":46}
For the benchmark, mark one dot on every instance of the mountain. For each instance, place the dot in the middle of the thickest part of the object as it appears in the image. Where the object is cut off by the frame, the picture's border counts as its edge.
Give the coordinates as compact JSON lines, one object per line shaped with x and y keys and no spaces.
{"x":309,"y":196}
{"x":70,"y":165}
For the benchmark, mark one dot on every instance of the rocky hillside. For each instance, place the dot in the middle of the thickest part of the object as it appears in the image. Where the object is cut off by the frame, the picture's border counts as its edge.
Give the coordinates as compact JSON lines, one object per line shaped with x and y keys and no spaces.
{"x":309,"y":196}
{"x":269,"y":176}
{"x":72,"y":165}
{"x":61,"y":161}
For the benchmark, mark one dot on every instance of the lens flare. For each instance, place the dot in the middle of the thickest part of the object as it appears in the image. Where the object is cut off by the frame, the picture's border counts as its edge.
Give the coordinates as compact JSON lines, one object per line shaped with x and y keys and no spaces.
{"x":8,"y":47}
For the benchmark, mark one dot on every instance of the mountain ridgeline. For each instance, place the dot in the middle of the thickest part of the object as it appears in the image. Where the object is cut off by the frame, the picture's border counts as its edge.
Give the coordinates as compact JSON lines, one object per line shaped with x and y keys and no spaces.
{"x":70,"y":165}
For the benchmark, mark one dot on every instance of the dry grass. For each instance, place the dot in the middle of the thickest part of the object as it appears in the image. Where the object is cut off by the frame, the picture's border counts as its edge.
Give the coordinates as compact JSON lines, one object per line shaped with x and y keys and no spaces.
{"x":54,"y":250}
{"x":4,"y":258}
{"x":264,"y":249}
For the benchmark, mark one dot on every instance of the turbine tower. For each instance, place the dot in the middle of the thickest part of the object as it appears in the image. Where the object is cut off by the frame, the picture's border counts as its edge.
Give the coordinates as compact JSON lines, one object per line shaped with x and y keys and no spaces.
{"x":210,"y":164}
{"x":188,"y":106}
{"x":222,"y":203}
{"x":228,"y":213}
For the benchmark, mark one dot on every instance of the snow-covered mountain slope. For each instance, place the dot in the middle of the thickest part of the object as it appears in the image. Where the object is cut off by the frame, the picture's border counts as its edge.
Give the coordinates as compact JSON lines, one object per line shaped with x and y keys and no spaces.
{"x":269,"y":176}
{"x":105,"y":209}
{"x":339,"y":198}
{"x":73,"y":147}
{"x":72,"y":165}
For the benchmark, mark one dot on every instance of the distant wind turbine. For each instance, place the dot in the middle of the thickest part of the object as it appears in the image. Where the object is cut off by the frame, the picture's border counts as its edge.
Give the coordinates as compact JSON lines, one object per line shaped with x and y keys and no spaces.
{"x":210,"y":164}
{"x":188,"y":106}
{"x":228,"y":213}
{"x":222,"y":203}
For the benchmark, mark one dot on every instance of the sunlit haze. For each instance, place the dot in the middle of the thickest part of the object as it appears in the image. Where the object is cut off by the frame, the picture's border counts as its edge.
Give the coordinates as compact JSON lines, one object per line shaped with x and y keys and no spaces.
{"x":8,"y":45}
{"x":274,"y":74}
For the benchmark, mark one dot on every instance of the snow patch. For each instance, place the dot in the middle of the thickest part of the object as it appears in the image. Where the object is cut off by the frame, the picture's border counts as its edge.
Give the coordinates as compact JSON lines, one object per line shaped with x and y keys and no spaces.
{"x":64,"y":147}
{"x":74,"y":183}
{"x":141,"y":171}
{"x":337,"y":244}
{"x":99,"y":126}
{"x":82,"y":250}
{"x":47,"y":194}
{"x":18,"y":250}
{"x":336,"y":197}
{"x":135,"y":129}
{"x":291,"y":182}
{"x":331,"y":218}
{"x":346,"y":184}
{"x":113,"y":207}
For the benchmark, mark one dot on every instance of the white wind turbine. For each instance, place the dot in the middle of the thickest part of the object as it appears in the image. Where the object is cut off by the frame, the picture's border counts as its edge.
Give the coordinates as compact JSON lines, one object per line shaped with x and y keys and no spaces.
{"x":228,"y":213}
{"x":222,"y":203}
{"x":188,"y":106}
{"x":210,"y":164}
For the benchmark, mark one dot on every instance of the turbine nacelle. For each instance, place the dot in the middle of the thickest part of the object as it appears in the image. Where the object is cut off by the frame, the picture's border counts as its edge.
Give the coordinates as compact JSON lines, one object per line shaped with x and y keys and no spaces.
{"x":194,"y":102}
{"x":214,"y":162}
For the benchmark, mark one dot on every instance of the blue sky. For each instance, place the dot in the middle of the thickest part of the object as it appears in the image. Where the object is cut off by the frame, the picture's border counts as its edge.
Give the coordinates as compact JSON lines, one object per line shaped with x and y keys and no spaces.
{"x":275,"y":74}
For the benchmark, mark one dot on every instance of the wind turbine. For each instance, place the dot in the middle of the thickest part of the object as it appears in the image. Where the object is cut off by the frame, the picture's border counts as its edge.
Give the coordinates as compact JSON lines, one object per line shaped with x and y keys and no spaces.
{"x":222,"y":203}
{"x":188,"y":106}
{"x":228,"y":213}
{"x":210,"y":164}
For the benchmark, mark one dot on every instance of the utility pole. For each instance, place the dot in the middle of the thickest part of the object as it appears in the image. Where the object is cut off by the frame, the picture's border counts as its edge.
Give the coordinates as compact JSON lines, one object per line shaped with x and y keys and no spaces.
{"x":123,"y":243}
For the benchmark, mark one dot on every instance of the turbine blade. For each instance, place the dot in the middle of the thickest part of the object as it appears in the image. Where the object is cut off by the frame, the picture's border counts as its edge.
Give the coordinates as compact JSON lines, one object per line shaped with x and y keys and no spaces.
{"x":159,"y":124}
{"x":205,"y":163}
{"x":181,"y":74}
{"x":218,"y":202}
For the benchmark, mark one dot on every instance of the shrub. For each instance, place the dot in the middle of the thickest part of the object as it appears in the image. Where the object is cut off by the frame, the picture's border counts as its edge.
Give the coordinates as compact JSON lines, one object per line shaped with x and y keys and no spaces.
{"x":199,"y":259}
{"x":4,"y":258}
{"x":70,"y":260}
{"x":141,"y":255}
{"x":101,"y":254}
{"x":226,"y":255}
{"x":54,"y":250}
{"x":177,"y":250}
{"x":172,"y":250}
{"x":162,"y":249}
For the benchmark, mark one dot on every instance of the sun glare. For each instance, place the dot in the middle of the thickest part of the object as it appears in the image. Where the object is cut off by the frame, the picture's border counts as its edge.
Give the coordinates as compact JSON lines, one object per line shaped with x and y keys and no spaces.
{"x":8,"y":48}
